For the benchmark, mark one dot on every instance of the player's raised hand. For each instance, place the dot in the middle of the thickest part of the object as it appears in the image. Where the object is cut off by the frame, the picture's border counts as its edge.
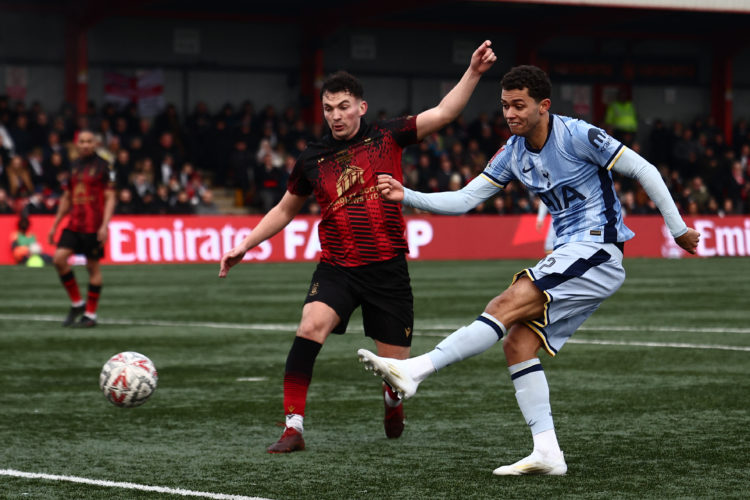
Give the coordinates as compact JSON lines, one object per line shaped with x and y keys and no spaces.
{"x":390,"y":189}
{"x":229,"y":260}
{"x":483,"y":58}
{"x":689,"y":241}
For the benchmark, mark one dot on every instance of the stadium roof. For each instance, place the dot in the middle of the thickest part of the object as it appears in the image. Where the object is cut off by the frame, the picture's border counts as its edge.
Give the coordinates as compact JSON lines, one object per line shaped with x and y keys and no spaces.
{"x":722,"y":21}
{"x":698,"y":5}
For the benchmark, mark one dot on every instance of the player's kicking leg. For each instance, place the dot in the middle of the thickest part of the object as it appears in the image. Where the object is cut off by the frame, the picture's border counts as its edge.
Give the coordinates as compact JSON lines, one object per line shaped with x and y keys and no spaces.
{"x":394,"y":372}
{"x":405,"y":375}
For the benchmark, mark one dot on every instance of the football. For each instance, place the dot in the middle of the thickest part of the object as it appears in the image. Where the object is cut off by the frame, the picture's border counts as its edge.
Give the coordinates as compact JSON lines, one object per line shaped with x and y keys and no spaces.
{"x":128,"y":379}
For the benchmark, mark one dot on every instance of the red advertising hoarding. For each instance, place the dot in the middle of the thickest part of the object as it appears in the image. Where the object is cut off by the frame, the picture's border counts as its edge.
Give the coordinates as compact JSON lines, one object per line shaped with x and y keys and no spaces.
{"x":186,"y":239}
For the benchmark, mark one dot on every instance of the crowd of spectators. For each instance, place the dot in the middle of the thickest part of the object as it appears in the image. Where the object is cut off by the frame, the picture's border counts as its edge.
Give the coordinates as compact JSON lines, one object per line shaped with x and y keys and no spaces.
{"x":169,"y":165}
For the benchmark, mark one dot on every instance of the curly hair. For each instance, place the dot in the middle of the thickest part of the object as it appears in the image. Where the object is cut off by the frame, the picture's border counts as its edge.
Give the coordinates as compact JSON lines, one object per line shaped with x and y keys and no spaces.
{"x":528,"y":77}
{"x":342,"y":81}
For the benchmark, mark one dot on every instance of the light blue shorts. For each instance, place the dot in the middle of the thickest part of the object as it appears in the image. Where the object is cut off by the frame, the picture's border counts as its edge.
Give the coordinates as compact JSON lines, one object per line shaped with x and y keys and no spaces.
{"x":575,"y":278}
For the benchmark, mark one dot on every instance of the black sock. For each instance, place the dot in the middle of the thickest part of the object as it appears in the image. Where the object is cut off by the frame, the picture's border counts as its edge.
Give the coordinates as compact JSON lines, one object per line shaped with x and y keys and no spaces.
{"x":299,"y":368}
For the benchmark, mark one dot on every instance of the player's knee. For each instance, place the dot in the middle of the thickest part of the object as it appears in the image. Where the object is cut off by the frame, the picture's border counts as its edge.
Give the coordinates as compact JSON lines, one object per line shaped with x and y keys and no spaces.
{"x":506,"y":308}
{"x":498,"y":304}
{"x":522,"y":301}
{"x":314,"y":330}
{"x":520,"y":344}
{"x":94,"y":270}
{"x":510,"y":347}
{"x":59,"y":261}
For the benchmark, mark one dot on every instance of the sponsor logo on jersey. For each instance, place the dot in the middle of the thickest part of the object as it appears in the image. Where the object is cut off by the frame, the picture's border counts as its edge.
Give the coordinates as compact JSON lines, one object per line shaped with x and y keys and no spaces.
{"x":350,"y":176}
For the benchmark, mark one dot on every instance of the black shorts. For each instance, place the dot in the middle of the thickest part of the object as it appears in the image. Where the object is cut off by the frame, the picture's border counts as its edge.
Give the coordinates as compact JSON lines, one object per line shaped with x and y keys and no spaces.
{"x":82,"y":244}
{"x":382,"y":289}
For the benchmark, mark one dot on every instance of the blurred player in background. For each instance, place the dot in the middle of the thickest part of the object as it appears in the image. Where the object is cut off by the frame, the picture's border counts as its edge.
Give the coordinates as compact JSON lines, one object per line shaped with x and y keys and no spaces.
{"x":89,"y":197}
{"x":567,"y":163}
{"x":362,"y":237}
{"x":25,"y":247}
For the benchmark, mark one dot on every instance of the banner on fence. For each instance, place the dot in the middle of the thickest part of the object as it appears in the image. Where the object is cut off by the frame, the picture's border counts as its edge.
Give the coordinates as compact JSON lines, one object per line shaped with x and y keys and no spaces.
{"x":186,"y":239}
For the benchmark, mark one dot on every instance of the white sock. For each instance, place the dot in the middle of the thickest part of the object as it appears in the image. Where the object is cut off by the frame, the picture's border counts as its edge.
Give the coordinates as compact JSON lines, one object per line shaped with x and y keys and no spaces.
{"x":421,"y":367}
{"x":78,"y":303}
{"x":90,"y":315}
{"x":546,"y":443}
{"x":532,"y":394}
{"x":295,"y":420}
{"x":467,"y":341}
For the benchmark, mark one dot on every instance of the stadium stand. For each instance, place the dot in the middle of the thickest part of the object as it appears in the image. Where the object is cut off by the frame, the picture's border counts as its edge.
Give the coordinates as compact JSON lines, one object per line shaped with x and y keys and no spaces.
{"x":236,"y":160}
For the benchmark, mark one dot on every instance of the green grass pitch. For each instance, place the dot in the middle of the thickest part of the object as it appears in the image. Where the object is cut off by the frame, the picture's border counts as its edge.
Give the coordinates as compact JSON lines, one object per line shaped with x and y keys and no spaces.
{"x":651,"y":397}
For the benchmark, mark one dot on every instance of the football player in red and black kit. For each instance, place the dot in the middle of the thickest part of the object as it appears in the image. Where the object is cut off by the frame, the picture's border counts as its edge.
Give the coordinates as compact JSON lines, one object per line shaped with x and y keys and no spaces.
{"x":89,"y":196}
{"x":361,"y":236}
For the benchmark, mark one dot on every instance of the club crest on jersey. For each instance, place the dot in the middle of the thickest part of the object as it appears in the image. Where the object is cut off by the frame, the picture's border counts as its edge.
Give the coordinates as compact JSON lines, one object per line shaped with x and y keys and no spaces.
{"x":352,"y":175}
{"x":79,"y":194}
{"x":599,"y":139}
{"x":343,"y":157}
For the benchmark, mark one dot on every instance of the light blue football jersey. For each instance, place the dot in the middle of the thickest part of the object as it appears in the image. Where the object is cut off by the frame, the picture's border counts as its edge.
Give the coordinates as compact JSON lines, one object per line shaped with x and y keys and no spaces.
{"x":571,"y":175}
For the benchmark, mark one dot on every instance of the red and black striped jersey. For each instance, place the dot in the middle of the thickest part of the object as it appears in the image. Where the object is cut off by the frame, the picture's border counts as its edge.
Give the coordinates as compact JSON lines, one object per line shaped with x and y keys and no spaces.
{"x":89,"y":178}
{"x":358,"y":227}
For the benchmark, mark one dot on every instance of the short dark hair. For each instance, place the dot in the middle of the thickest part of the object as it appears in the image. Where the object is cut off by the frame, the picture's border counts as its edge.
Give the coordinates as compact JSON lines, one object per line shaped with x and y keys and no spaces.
{"x":342,"y":81}
{"x":528,"y":77}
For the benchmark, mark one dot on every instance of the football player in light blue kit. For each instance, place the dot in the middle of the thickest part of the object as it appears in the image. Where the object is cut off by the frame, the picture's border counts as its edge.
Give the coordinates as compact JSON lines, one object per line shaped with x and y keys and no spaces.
{"x":567,"y":163}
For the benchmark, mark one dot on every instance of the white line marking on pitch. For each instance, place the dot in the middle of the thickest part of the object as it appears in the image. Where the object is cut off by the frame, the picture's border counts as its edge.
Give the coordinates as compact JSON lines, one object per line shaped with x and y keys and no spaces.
{"x":128,"y":322}
{"x":420,"y":325}
{"x":680,"y":345}
{"x":252,"y":379}
{"x":606,"y":328}
{"x":128,"y":486}
{"x":660,"y":344}
{"x":275,"y":327}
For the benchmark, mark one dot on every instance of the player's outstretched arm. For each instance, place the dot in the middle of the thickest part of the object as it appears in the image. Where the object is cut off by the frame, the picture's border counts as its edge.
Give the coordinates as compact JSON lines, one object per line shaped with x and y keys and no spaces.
{"x":271,"y":223}
{"x":454,"y":102}
{"x":634,"y":165}
{"x":447,"y":202}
